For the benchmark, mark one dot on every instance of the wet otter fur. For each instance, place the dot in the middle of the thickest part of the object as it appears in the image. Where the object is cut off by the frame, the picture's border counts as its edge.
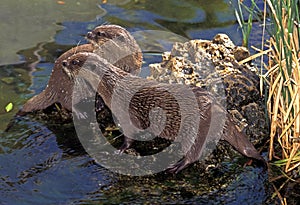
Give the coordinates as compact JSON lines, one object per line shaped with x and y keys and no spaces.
{"x":110,"y":81}
{"x":60,"y":86}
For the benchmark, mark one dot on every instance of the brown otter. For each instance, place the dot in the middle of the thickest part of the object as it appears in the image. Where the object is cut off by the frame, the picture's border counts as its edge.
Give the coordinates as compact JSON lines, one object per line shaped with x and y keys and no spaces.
{"x":116,"y":85}
{"x":60,"y":86}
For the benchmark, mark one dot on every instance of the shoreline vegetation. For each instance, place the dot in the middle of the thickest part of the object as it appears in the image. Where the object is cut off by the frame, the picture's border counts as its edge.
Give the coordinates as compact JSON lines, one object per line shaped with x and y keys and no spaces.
{"x":280,"y":76}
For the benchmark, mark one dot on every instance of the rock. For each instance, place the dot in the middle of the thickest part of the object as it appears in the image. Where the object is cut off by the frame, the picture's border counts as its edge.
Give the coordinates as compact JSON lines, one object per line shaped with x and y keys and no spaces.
{"x":214,"y":65}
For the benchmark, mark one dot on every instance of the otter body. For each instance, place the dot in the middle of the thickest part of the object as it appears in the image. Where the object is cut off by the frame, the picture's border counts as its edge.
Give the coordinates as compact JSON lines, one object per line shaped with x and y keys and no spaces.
{"x":192,"y":120}
{"x":60,"y":86}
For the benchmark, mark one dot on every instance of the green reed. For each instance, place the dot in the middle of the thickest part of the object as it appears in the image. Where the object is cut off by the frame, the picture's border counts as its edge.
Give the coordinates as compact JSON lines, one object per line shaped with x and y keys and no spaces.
{"x":283,"y":79}
{"x":246,"y":24}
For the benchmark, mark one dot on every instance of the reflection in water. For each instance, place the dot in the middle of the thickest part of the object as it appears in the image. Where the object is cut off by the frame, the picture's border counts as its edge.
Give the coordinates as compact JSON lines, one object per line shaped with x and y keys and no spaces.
{"x":29,"y":22}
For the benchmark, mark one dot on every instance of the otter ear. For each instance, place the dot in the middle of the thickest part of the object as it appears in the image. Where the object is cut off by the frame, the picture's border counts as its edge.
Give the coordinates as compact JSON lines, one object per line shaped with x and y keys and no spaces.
{"x":121,"y":38}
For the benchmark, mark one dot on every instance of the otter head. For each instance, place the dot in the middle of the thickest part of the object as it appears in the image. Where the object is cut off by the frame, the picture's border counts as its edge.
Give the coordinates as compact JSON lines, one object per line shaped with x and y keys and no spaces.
{"x":91,"y":74}
{"x":117,"y":46}
{"x":71,"y":65}
{"x":85,"y":65}
{"x":104,"y":33}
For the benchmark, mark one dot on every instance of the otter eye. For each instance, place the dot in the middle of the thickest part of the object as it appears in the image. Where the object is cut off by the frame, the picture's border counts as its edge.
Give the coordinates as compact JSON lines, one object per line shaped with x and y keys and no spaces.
{"x":101,"y":34}
{"x":64,"y":63}
{"x":75,"y":62}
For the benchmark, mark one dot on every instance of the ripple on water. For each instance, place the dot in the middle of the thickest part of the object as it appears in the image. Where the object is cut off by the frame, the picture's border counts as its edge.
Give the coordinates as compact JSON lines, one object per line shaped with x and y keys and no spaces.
{"x":36,"y":169}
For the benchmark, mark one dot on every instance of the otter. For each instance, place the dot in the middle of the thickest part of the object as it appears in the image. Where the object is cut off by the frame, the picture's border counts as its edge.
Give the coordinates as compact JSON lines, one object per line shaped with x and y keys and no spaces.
{"x":193,"y":118}
{"x":60,"y":86}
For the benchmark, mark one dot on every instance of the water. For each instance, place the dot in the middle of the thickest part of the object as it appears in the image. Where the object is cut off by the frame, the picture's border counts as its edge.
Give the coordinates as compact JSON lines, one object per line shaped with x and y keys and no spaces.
{"x":43,"y":163}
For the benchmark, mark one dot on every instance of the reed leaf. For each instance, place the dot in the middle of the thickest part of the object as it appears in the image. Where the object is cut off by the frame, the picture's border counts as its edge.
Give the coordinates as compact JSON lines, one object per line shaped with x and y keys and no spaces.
{"x":283,"y":80}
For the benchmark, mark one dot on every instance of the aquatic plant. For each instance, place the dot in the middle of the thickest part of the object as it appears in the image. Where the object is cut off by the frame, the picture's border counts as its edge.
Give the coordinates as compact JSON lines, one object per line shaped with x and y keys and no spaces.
{"x":245,"y":25}
{"x":282,"y":77}
{"x":284,"y":86}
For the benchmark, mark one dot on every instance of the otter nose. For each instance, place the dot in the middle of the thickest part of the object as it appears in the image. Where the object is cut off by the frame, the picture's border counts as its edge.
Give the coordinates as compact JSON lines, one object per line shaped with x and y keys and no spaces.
{"x":90,"y":35}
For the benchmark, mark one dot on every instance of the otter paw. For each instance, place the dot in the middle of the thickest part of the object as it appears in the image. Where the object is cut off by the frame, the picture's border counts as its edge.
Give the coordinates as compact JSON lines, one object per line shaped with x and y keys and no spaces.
{"x":177,"y":167}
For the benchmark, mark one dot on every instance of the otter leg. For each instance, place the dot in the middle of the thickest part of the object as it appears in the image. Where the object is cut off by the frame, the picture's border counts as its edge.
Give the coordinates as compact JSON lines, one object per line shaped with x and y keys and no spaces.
{"x":191,"y":156}
{"x":126,"y":144}
{"x":194,"y":152}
